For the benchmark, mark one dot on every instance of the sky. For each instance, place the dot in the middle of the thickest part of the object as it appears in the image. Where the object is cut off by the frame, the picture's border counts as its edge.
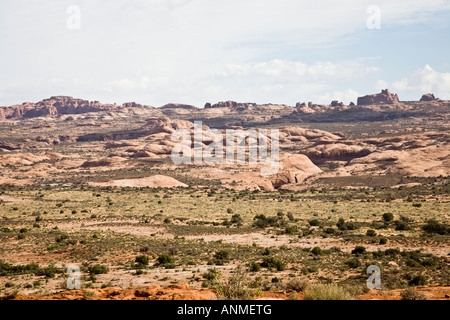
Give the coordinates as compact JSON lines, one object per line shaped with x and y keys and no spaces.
{"x":156,"y":52}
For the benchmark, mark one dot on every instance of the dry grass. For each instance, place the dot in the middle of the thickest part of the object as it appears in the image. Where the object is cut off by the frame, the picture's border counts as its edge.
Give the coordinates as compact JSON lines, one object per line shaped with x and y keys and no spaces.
{"x":327,"y":292}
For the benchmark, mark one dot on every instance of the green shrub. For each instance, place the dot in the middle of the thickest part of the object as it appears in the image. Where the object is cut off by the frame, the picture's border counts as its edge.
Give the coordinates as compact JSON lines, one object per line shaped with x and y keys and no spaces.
{"x":371,"y":233}
{"x":260,"y":221}
{"x":400,"y":226}
{"x":61,"y":238}
{"x":383,"y":241}
{"x":254,"y":267}
{"x":142,"y":260}
{"x":412,"y":263}
{"x":291,"y":230}
{"x":418,"y":280}
{"x":236,"y":218}
{"x":275,"y":280}
{"x":317,"y":251}
{"x":48,"y":272}
{"x":106,"y":285}
{"x":7,"y":269}
{"x":388,"y":216}
{"x":212,"y":275}
{"x":165,"y":259}
{"x":98,"y":269}
{"x":342,"y":225}
{"x":359,"y":250}
{"x":314,"y":223}
{"x":353,"y":263}
{"x":222,"y":255}
{"x":270,"y":262}
{"x":433,"y":226}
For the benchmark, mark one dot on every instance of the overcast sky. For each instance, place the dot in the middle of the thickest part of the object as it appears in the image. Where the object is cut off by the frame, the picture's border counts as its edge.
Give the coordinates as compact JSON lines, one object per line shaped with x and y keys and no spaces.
{"x":196,"y":51}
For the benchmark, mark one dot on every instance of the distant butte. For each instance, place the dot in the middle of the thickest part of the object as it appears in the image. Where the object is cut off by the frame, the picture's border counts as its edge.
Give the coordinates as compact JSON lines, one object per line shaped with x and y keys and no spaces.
{"x":428,"y":97}
{"x":379,"y":98}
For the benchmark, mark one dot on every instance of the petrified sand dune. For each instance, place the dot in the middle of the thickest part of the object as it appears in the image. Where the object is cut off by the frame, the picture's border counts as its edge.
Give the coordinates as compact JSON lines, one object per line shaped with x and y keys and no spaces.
{"x":294,"y":168}
{"x":165,"y":125}
{"x":157,"y":149}
{"x":426,"y":162}
{"x":308,"y":133}
{"x":337,"y":151}
{"x":143,"y":154}
{"x":26,"y":159}
{"x":152,"y":182}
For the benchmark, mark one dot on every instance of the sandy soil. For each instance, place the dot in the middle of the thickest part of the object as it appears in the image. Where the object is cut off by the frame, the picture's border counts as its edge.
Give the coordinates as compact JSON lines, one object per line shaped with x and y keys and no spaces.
{"x":184,"y":292}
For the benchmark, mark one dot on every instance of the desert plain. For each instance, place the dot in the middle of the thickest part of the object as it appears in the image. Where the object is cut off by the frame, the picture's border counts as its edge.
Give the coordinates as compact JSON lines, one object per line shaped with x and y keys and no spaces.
{"x":93,"y":186}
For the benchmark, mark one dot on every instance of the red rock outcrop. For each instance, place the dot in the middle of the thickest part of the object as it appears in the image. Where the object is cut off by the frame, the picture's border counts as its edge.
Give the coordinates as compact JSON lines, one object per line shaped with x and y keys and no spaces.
{"x":229,"y":104}
{"x":427,"y":97}
{"x":132,"y":105}
{"x":59,"y":105}
{"x":336,"y":103}
{"x":379,"y":98}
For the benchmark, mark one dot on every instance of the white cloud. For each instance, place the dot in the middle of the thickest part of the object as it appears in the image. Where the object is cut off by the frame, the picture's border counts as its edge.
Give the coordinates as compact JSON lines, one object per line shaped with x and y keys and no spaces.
{"x":283,"y":69}
{"x":425,"y":80}
{"x":381,"y":85}
{"x":284,"y":81}
{"x":193,"y":50}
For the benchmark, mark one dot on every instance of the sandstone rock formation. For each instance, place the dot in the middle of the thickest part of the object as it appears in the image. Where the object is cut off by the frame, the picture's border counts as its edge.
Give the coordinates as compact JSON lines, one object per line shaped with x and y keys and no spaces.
{"x":379,"y":98}
{"x":229,"y":104}
{"x":164,"y":124}
{"x":151,"y":182}
{"x":336,"y":103}
{"x":294,"y":168}
{"x":428,"y":97}
{"x":309,"y":134}
{"x":336,"y":152}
